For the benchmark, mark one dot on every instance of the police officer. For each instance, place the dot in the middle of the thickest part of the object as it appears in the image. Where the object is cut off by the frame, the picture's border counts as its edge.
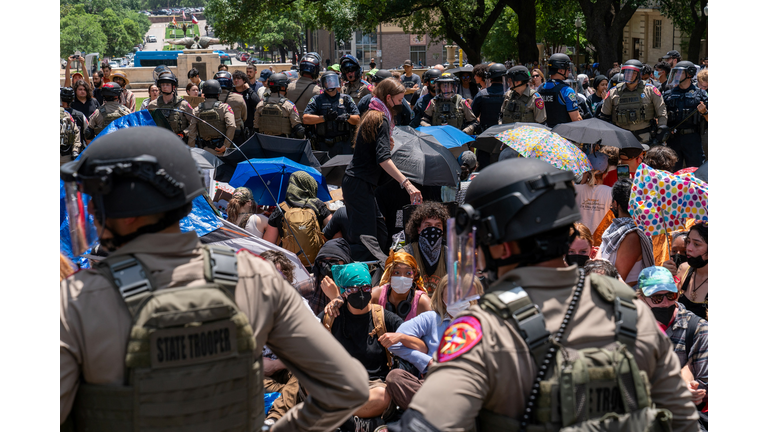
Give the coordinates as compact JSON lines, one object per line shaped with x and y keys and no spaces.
{"x":67,"y":95}
{"x":496,"y":361}
{"x":195,"y":365}
{"x":560,"y":100}
{"x":634,"y":104}
{"x":354,"y":85}
{"x":218,"y":115}
{"x":276,"y":115}
{"x":235,"y":101}
{"x":487,"y":106}
{"x":301,"y":91}
{"x":685,"y":120}
{"x":448,"y":107}
{"x":334,"y":115}
{"x":428,"y":79}
{"x":403,"y":115}
{"x":70,"y":144}
{"x":109,"y":112}
{"x":521,"y":102}
{"x":169,"y":100}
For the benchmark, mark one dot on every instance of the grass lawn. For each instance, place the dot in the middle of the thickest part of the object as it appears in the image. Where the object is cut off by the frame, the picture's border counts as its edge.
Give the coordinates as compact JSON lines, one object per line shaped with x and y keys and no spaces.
{"x":139,"y":101}
{"x":192,"y":30}
{"x":174,"y":47}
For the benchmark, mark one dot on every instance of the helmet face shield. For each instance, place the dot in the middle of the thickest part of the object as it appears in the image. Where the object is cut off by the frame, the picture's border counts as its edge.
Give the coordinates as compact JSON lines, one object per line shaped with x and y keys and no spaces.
{"x":462,"y":264}
{"x":82,"y":231}
{"x":678,"y":76}
{"x":631,"y":73}
{"x":330,"y":81}
{"x":446,"y":89}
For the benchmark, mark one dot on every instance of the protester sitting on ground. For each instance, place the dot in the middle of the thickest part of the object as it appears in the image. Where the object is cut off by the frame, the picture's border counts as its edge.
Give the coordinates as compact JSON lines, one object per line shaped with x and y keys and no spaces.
{"x":580,"y":250}
{"x":468,"y":162}
{"x":677,"y":256}
{"x":627,"y":156}
{"x":601,"y":267}
{"x":84,"y":100}
{"x":244,"y":212}
{"x":333,"y":252}
{"x":425,"y":231}
{"x":661,"y":158}
{"x":694,"y":273}
{"x":624,"y":244}
{"x":358,"y":329}
{"x":613,"y":158}
{"x":592,"y":197}
{"x":154,"y":92}
{"x":193,"y":90}
{"x":281,"y":262}
{"x":338,"y":226}
{"x":427,"y":329}
{"x":687,"y":331}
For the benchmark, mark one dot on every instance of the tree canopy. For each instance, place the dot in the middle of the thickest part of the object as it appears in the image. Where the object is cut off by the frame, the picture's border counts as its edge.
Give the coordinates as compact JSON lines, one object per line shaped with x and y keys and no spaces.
{"x":688,"y":16}
{"x":109,"y":27}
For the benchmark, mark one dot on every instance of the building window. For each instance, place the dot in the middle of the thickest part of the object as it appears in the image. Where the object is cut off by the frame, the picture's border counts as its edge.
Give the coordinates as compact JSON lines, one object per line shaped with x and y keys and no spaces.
{"x":419,"y":54}
{"x":365,"y":48}
{"x":657,"y":33}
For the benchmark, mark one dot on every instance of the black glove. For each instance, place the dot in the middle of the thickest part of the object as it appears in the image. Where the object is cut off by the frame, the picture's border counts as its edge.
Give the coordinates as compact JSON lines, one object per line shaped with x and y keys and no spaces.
{"x":662,"y":134}
{"x":298,"y":131}
{"x":342,"y":118}
{"x":330,"y":116}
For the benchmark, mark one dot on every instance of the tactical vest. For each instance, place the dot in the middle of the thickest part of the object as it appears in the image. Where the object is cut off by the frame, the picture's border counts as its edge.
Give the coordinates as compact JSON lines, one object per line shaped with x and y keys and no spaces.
{"x":177,"y":120}
{"x":356,"y":92}
{"x":591,"y":389}
{"x":273,"y":119}
{"x":448,"y":112}
{"x":239,"y":124}
{"x":66,"y":132}
{"x":679,"y":106}
{"x":209,"y":111}
{"x":556,"y":112}
{"x":300,"y":96}
{"x":190,"y":359}
{"x":517,"y":110}
{"x":110,"y":116}
{"x":632,"y":108}
{"x":332,"y":129}
{"x":491,"y":107}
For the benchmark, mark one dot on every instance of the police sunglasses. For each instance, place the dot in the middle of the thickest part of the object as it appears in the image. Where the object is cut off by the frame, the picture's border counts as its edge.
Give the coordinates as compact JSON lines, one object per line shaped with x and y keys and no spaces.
{"x":356,"y":288}
{"x":658,"y":298}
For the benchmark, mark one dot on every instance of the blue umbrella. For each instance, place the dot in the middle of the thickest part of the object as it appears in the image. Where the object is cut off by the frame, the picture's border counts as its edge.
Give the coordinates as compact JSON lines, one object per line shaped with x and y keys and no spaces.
{"x":275,"y":173}
{"x":450,"y":137}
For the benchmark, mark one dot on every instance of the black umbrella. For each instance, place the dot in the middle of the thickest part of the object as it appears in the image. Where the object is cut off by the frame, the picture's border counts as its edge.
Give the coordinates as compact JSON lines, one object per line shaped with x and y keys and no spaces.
{"x":702,"y":173}
{"x":205,"y":159}
{"x":593,"y":130}
{"x":463,"y":69}
{"x":261,"y":146}
{"x":321,"y":156}
{"x":488,"y":142}
{"x":422,"y":159}
{"x":334,"y":169}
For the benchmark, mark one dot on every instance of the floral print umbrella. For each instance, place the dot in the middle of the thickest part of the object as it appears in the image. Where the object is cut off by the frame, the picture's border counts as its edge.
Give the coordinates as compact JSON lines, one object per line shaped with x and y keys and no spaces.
{"x":533,"y":142}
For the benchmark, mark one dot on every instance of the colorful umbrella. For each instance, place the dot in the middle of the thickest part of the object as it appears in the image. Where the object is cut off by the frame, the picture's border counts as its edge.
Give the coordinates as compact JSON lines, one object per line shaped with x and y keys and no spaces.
{"x":534,"y":142}
{"x":661,"y":201}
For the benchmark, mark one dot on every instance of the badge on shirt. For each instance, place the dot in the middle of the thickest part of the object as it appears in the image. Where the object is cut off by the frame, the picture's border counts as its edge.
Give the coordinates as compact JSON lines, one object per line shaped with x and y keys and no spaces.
{"x":539,"y":101}
{"x":463,"y":333}
{"x":572,"y":96}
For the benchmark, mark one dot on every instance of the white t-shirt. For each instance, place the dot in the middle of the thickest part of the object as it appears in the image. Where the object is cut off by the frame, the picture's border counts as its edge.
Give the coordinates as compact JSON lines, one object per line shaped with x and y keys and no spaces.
{"x":256,"y":225}
{"x":594,"y":202}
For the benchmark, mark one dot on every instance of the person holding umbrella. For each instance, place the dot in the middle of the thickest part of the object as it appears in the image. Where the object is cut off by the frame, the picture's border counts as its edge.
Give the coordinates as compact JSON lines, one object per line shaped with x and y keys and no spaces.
{"x":373,"y":142}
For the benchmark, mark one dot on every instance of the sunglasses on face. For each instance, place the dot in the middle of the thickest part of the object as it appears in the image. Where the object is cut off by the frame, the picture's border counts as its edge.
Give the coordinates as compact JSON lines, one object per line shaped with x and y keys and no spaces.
{"x":465,"y":77}
{"x":658,"y":298}
{"x":536,"y":76}
{"x":355,"y":289}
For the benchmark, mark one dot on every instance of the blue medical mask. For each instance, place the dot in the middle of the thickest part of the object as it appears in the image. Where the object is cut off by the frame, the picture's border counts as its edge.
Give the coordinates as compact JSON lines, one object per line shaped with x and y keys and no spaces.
{"x":656,"y":74}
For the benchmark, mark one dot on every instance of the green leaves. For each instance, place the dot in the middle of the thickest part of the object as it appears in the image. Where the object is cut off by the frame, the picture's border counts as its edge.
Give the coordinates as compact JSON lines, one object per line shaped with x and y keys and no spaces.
{"x":104,"y":26}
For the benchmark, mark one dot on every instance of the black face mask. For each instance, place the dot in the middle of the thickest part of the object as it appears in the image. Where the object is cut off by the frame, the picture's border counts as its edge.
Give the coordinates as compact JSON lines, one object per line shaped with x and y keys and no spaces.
{"x":397,"y":110}
{"x":325,"y":269}
{"x":579,"y":260}
{"x":678,"y":258}
{"x":615,"y":212}
{"x":664,"y":314}
{"x":359,"y":299}
{"x":696,"y":262}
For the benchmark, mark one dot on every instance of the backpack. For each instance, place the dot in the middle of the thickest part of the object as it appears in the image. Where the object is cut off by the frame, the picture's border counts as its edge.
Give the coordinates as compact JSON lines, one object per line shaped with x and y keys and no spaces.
{"x":189,"y":359}
{"x":587,"y":390}
{"x":304,"y":226}
{"x":114,"y":115}
{"x":379,"y":326}
{"x":66,"y":132}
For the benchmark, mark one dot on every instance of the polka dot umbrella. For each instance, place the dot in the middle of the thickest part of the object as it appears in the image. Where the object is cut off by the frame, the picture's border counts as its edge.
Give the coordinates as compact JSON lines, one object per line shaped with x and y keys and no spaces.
{"x":538,"y":143}
{"x":661,"y":202}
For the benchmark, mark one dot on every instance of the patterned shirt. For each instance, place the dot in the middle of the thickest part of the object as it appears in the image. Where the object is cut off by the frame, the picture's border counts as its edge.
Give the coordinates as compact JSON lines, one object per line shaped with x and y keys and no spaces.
{"x":699,"y":348}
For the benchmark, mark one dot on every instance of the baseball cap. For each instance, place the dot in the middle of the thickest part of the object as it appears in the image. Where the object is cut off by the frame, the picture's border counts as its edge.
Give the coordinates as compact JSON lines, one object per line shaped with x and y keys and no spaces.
{"x":408,"y":63}
{"x":265,"y":74}
{"x":469,"y":159}
{"x":672,"y":54}
{"x":653,"y":280}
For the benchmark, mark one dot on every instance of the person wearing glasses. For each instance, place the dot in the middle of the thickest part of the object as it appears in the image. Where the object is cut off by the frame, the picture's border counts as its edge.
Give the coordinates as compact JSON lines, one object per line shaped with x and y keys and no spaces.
{"x":687,"y":331}
{"x":358,"y":328}
{"x":537,"y":79}
{"x":428,"y":78}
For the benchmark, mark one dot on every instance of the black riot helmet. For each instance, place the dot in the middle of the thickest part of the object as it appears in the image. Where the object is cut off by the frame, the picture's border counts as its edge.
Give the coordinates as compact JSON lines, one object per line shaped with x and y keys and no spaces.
{"x":66,"y":94}
{"x":158,"y":71}
{"x":134,"y":172}
{"x":349,"y":63}
{"x":496,"y":70}
{"x":683,"y":70}
{"x":559,"y":61}
{"x":278,"y":82}
{"x":631,"y":71}
{"x":615,"y":80}
{"x":225,"y":79}
{"x":449,"y":91}
{"x":429,"y":77}
{"x":167,"y":77}
{"x":519,"y":73}
{"x":111,"y":91}
{"x":310,"y":63}
{"x":330,"y":81}
{"x":211,"y":88}
{"x":381,"y":75}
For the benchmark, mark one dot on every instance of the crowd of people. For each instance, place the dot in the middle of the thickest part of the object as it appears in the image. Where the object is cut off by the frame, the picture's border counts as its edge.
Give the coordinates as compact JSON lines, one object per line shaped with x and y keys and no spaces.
{"x":381,"y":293}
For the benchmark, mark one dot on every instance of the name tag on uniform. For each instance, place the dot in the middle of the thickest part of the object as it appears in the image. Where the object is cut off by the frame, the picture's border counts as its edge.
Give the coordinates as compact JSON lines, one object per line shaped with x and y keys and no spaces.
{"x":629,"y":100}
{"x":192,"y":345}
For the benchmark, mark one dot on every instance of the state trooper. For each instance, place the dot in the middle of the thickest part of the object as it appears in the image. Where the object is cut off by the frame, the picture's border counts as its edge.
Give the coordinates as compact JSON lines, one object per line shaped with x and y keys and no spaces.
{"x":560,"y":100}
{"x":218,"y":115}
{"x":545,"y":347}
{"x":109,"y":112}
{"x":70,"y":144}
{"x":487,"y":106}
{"x":635,"y":105}
{"x":354,"y":85}
{"x":67,"y":95}
{"x":276,"y":115}
{"x":301,"y":91}
{"x":165,"y":333}
{"x":403,"y":114}
{"x":428,"y":79}
{"x":169,"y":100}
{"x":682,"y":99}
{"x":448,"y":107}
{"x":235,"y":101}
{"x":521,"y":102}
{"x":334,"y":114}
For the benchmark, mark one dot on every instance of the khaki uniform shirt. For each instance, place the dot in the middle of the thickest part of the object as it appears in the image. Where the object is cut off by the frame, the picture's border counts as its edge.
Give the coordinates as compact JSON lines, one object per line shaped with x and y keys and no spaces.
{"x":77,"y":146}
{"x":299,"y":88}
{"x":357,"y":90}
{"x":466,"y":109}
{"x":535,"y":103}
{"x":225,"y":112}
{"x":97,"y":120}
{"x":498,"y":373}
{"x":183,"y":106}
{"x":95,"y":324}
{"x":288,"y":110}
{"x":649,"y":91}
{"x":239,"y":108}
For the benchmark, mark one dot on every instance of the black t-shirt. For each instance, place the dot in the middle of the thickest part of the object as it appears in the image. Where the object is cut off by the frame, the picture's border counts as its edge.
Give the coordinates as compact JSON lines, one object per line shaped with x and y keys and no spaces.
{"x":353,"y":332}
{"x":276,"y":218}
{"x":97,"y":95}
{"x":86,"y":108}
{"x":339,"y":223}
{"x":369,"y":154}
{"x":251,"y":99}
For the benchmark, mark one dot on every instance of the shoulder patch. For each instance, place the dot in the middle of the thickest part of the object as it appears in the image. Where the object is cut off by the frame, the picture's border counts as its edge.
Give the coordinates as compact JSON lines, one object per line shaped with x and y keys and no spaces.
{"x":656,"y":91}
{"x":467,"y":104}
{"x":294,"y":108}
{"x":229,"y":108}
{"x":464,"y":333}
{"x":538,"y":101}
{"x":572,"y":96}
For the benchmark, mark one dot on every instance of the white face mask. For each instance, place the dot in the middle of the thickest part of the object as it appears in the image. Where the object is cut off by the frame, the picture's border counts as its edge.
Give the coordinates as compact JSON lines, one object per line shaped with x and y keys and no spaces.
{"x":400,"y":284}
{"x":456,"y":308}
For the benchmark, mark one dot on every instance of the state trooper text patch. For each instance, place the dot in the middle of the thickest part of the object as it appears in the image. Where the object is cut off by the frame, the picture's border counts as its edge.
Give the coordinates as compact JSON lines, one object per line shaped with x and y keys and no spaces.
{"x":463,"y":333}
{"x":192,"y":345}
